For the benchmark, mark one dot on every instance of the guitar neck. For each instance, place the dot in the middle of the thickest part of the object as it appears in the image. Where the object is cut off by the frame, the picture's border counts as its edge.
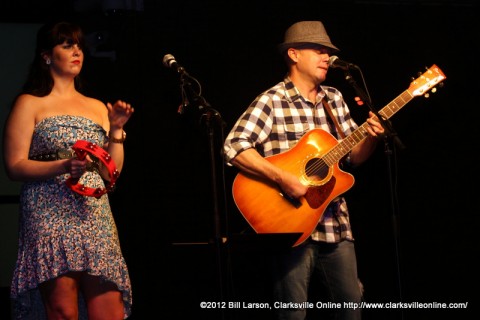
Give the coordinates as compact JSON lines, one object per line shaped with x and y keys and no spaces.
{"x":347,"y":144}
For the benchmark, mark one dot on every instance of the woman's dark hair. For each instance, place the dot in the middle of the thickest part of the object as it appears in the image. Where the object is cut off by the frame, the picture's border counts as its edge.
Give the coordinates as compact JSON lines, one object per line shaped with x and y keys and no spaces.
{"x":39,"y":81}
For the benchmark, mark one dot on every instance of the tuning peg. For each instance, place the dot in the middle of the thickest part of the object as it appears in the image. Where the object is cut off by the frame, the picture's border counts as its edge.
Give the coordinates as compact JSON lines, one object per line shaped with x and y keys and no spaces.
{"x":434,"y":90}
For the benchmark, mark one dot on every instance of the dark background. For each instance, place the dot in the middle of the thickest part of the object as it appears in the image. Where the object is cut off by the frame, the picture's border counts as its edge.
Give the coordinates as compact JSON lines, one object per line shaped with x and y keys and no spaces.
{"x":169,"y":201}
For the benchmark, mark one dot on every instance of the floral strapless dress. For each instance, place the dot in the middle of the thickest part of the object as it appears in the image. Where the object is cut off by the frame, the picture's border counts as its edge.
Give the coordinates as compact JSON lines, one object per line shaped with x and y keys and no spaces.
{"x":60,"y":230}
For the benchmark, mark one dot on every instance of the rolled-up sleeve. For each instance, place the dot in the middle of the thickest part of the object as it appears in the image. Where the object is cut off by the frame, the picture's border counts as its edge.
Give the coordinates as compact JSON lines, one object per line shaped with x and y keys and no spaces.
{"x":251,"y":129}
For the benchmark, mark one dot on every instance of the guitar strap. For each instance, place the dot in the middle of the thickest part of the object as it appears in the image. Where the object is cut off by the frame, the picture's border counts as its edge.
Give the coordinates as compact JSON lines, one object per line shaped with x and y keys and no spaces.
{"x":327,"y":108}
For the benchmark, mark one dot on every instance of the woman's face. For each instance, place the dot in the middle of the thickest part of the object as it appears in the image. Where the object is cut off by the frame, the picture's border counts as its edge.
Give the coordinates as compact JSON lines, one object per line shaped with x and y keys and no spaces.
{"x":67,"y":59}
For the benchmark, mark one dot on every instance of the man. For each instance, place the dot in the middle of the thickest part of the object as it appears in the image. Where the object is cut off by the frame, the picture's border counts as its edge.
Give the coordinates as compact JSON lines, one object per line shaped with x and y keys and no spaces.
{"x":273,"y":123}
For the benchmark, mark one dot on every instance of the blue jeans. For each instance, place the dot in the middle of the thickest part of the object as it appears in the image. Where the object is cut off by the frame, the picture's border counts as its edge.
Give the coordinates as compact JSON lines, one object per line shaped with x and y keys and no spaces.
{"x":333,"y":266}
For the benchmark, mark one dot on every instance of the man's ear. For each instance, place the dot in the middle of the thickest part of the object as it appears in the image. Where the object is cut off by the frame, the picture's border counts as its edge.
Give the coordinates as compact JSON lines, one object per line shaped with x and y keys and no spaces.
{"x":292,"y":54}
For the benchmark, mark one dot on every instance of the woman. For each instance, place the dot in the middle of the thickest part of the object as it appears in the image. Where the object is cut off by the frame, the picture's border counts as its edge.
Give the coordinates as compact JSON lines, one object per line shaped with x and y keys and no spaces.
{"x":69,"y":263}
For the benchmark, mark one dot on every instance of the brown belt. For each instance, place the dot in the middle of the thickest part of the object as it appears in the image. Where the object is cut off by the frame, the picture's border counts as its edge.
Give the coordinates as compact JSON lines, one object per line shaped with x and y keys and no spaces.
{"x":65,"y":154}
{"x":60,"y":154}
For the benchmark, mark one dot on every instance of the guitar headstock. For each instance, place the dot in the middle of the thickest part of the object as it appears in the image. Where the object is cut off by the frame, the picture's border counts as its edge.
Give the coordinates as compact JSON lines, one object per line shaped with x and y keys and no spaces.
{"x":426,"y":81}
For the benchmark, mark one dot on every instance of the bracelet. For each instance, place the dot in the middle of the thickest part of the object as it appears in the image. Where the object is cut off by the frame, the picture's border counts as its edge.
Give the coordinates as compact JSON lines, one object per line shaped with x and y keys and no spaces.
{"x":115,"y":140}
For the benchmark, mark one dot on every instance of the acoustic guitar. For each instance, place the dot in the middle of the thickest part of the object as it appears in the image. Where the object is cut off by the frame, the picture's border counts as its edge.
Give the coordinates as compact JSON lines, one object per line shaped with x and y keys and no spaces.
{"x":314,"y":159}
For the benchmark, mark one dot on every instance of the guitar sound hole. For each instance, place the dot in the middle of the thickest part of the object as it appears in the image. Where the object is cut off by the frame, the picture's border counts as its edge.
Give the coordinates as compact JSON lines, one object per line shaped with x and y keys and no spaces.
{"x":316,"y":170}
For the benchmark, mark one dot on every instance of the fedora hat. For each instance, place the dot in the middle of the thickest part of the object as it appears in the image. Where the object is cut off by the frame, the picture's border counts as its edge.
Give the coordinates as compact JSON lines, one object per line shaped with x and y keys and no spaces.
{"x":306,"y":34}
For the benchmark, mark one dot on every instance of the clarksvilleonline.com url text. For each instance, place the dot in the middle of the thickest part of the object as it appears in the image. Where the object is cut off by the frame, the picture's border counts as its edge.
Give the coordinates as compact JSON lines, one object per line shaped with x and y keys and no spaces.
{"x":330,"y":305}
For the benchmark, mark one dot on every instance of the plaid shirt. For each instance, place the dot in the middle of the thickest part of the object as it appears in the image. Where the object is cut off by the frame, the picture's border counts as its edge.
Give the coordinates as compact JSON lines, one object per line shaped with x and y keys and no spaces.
{"x":276,"y":120}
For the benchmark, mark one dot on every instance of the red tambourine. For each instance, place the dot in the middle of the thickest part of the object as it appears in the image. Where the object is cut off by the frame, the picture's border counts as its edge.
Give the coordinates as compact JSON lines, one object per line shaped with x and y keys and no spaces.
{"x":81,"y":148}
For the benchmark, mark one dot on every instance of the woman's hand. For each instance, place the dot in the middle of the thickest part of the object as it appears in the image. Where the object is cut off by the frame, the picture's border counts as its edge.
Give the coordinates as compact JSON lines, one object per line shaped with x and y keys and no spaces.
{"x":76,"y":167}
{"x":119,"y":113}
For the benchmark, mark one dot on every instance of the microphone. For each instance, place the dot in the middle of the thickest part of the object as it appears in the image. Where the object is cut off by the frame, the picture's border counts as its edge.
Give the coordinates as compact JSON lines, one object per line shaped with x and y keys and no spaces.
{"x":335,"y":62}
{"x":170,"y":62}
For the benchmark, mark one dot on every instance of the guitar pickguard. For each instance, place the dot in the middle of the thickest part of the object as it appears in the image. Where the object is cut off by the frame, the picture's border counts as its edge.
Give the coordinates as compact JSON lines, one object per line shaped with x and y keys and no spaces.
{"x":316,"y":196}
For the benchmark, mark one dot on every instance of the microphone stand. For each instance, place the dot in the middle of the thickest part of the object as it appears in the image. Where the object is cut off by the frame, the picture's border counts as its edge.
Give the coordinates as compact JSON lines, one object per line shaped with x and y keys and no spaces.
{"x":389,"y":133}
{"x":212,"y":118}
